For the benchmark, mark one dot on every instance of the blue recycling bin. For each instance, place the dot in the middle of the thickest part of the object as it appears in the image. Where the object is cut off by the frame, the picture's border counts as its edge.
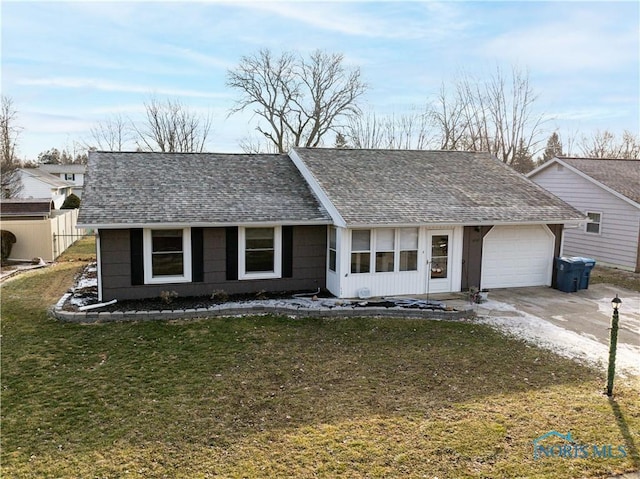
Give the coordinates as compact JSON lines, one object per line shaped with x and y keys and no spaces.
{"x":589,"y":263}
{"x":569,"y":273}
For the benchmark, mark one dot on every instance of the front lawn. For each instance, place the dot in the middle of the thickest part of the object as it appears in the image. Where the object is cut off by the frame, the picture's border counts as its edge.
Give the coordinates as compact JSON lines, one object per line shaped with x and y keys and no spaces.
{"x":280,"y":397}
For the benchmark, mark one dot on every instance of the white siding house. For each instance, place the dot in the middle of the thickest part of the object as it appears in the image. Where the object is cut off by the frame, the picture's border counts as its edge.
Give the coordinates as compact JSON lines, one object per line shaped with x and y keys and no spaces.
{"x":608,"y":192}
{"x":71,"y":173}
{"x":39,"y":184}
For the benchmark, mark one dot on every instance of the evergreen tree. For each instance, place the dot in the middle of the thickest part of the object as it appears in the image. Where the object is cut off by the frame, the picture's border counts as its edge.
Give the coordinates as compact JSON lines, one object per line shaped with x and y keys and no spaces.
{"x":553,"y":148}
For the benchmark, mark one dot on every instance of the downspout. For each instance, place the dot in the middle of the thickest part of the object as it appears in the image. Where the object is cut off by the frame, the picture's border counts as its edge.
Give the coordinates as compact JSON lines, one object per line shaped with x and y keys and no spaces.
{"x":99,"y":265}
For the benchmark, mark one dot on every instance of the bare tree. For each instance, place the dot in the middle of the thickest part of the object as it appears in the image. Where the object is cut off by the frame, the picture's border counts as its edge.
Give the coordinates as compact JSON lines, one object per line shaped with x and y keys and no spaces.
{"x":300,"y":100}
{"x":604,"y":144}
{"x":493,"y":115}
{"x":10,"y":182}
{"x":111,"y":134}
{"x":170,"y":126}
{"x":408,"y":131}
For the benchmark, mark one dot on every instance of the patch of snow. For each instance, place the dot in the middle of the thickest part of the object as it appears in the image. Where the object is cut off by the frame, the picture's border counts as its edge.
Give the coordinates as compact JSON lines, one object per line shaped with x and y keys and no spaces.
{"x":566,"y":343}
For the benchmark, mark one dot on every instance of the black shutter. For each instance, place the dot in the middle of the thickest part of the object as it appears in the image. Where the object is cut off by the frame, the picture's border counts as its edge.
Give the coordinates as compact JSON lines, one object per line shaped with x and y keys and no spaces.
{"x":137,"y":256}
{"x":287,"y":251}
{"x":197,"y":256}
{"x":232,"y":252}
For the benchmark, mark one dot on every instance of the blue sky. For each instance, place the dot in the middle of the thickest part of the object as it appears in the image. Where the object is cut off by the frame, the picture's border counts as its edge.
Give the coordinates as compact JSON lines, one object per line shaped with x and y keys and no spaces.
{"x":68,"y":65}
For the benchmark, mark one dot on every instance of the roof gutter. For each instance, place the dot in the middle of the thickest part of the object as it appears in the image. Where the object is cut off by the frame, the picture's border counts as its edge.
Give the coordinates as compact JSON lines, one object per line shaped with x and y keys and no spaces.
{"x":249,"y":224}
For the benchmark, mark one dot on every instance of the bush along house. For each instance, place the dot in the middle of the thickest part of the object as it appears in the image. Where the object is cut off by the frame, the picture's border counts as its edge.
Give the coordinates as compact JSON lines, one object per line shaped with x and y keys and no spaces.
{"x":354,"y":222}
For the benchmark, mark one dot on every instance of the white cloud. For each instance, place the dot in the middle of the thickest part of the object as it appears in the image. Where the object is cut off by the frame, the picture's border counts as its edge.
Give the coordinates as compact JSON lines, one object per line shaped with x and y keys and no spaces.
{"x":111,"y":86}
{"x":577,"y":42}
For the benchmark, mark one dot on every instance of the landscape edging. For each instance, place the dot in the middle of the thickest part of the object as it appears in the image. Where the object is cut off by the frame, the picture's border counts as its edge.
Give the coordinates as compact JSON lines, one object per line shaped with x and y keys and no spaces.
{"x":88,"y":317}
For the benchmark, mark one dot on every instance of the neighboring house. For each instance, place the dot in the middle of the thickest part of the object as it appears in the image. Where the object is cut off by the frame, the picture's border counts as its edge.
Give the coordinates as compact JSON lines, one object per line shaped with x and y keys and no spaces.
{"x":608,"y":192}
{"x":73,"y":173}
{"x":356,"y":222}
{"x":40,"y":184}
{"x":41,"y":231}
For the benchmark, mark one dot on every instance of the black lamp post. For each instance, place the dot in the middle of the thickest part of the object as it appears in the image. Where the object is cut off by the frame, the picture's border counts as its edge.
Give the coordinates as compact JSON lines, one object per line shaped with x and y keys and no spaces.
{"x":613,"y":341}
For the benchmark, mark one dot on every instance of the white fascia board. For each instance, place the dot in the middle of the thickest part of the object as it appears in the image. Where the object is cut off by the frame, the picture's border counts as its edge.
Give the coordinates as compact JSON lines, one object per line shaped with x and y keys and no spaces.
{"x":107,"y":226}
{"x":586,"y":177}
{"x":543,"y":166}
{"x":311,"y":180}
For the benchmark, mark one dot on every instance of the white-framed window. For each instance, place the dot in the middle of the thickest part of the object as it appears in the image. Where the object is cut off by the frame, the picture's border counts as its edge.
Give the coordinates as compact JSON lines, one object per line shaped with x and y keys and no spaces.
{"x":361,"y":251}
{"x":393,"y":249}
{"x":408,"y":249}
{"x":70,"y":176}
{"x":260,"y":252}
{"x":596,"y":220}
{"x":333,"y":237}
{"x":167,"y":255}
{"x":385,"y":249}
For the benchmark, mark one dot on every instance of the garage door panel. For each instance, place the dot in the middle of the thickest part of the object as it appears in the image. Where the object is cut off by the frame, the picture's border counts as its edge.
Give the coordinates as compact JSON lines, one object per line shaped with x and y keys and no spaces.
{"x":514,"y":256}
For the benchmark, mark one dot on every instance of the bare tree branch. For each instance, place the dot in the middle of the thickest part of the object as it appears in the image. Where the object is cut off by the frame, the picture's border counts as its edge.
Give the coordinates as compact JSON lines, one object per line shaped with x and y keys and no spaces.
{"x":10,"y":183}
{"x":300,"y":100}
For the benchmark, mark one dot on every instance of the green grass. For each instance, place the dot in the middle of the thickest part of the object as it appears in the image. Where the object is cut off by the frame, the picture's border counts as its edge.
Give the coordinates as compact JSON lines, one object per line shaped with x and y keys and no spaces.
{"x":280,"y":397}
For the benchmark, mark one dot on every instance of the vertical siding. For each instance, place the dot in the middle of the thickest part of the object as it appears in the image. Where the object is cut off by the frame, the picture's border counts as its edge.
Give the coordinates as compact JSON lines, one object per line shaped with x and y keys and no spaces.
{"x":46,"y":238}
{"x":308,"y":267}
{"x":617,"y":243}
{"x":405,"y":282}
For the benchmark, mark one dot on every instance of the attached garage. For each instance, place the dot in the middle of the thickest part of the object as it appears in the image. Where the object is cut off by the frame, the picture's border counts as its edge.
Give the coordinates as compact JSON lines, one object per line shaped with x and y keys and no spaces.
{"x":515,"y":256}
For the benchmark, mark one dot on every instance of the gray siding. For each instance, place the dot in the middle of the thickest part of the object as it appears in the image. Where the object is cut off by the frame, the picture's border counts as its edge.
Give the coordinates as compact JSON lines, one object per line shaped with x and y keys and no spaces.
{"x":309,"y":258}
{"x":617,"y":243}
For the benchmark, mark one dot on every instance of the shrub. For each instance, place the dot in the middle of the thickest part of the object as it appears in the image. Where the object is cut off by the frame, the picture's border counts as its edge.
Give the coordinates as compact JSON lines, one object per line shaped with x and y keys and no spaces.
{"x":71,"y":202}
{"x":167,"y":297}
{"x":220,"y":296}
{"x":7,"y":241}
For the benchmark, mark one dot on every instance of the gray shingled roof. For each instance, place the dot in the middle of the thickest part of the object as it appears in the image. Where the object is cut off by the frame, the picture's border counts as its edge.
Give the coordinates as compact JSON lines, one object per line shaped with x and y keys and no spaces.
{"x":622,"y":176}
{"x":48,"y":178}
{"x":198,"y":188}
{"x":387,"y":187}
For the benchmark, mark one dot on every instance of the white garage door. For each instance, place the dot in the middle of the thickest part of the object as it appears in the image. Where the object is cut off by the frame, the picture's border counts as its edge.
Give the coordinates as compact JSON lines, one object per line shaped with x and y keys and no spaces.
{"x":515,"y":256}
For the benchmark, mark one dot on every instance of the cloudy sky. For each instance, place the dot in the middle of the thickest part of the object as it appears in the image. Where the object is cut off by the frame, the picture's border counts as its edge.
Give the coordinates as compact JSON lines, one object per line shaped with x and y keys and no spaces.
{"x":68,"y":65}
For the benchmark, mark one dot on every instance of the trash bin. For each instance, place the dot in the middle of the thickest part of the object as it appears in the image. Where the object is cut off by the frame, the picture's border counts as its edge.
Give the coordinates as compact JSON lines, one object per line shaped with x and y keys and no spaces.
{"x":589,"y":263}
{"x":569,"y":273}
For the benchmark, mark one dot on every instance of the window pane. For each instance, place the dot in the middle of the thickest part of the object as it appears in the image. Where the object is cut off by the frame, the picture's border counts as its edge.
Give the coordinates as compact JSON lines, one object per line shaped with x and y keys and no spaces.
{"x":332,"y":238}
{"x":408,"y":238}
{"x":360,"y":262}
{"x":166,"y":240}
{"x":593,"y":227}
{"x":408,"y":260}
{"x":384,"y":262}
{"x":332,"y":260}
{"x":259,"y":238}
{"x":595,"y":217}
{"x":361,"y":240}
{"x":167,"y":264}
{"x":259,"y":261}
{"x":439,"y":268}
{"x":385,"y":239}
{"x":439,"y":256}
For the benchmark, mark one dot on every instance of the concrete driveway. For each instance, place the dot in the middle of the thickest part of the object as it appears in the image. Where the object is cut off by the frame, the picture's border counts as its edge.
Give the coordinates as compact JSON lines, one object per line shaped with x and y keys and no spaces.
{"x":575,"y":325}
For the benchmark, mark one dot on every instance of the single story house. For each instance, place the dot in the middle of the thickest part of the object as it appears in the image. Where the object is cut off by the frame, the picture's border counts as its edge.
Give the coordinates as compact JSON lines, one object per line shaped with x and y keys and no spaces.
{"x":608,"y":192}
{"x":73,"y":173}
{"x":356,"y":222}
{"x":37,"y":183}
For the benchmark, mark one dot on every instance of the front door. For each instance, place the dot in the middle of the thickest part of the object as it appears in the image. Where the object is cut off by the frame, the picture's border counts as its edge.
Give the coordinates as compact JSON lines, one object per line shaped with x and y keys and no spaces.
{"x":439,"y":261}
